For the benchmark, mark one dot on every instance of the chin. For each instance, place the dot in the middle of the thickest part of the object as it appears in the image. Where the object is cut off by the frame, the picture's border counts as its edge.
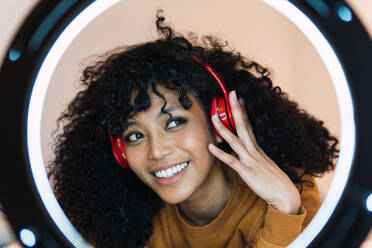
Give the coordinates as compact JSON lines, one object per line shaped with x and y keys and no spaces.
{"x":172,"y":200}
{"x":174,"y":196}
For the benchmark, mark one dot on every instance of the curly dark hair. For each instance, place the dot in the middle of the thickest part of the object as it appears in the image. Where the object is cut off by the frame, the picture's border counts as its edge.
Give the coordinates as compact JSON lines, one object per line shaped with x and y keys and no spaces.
{"x":112,"y":207}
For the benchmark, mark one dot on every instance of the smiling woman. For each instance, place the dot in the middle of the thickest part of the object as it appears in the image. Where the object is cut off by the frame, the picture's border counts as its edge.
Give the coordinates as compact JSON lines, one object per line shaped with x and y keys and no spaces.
{"x":166,"y":145}
{"x":193,"y":156}
{"x":249,"y":167}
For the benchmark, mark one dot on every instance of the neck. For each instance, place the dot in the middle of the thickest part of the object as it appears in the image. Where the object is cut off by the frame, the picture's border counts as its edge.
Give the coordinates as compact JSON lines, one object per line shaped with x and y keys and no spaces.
{"x":206,"y":203}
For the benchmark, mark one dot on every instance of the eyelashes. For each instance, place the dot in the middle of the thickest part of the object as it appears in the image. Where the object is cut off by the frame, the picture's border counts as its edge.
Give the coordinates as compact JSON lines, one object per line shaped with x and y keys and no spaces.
{"x":175,"y":122}
{"x":172,"y":124}
{"x":132,"y":137}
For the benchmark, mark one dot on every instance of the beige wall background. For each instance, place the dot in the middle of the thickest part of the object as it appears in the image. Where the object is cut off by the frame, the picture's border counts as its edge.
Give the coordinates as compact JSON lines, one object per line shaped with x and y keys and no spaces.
{"x":251,"y":27}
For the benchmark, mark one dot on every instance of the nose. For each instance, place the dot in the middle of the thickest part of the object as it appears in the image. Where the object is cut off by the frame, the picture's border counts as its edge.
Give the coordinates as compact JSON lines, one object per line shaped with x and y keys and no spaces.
{"x":160,"y":146}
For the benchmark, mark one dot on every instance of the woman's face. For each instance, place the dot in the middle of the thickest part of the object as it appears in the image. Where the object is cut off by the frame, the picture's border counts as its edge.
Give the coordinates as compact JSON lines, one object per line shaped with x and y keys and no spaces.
{"x":169,"y":153}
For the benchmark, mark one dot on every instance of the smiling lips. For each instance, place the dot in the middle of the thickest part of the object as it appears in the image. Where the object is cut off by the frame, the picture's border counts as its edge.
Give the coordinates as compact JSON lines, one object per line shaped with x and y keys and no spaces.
{"x":170,"y":172}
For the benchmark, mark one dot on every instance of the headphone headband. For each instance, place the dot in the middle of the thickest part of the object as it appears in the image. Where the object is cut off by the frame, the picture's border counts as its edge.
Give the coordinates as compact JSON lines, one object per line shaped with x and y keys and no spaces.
{"x":223,"y":87}
{"x":215,"y":76}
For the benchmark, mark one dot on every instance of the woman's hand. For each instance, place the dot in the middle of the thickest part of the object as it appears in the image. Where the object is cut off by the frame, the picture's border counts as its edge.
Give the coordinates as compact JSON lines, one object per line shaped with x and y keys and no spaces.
{"x":256,"y":169}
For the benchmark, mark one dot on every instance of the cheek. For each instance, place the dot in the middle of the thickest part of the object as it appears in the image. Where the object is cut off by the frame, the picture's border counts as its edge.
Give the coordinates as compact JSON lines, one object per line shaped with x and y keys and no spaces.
{"x":135,"y":157}
{"x":136,"y":161}
{"x":198,"y":138}
{"x":195,"y":141}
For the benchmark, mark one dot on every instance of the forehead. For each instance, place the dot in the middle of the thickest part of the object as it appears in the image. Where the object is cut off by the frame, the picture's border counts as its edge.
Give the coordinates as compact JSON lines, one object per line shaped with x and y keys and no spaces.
{"x":171,"y":96}
{"x":195,"y":112}
{"x":167,"y":99}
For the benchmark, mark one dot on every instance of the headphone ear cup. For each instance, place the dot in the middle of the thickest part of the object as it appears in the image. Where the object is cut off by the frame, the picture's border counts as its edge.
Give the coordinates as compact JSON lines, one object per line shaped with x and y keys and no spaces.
{"x":117,"y":147}
{"x":218,"y":107}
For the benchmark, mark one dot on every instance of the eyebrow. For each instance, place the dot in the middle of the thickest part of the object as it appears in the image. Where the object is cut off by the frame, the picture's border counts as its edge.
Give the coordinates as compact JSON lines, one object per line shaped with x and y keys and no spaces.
{"x":166,"y":110}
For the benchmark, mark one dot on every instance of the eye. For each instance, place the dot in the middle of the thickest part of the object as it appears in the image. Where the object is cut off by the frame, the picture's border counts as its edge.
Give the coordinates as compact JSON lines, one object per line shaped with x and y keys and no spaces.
{"x":133,"y":137}
{"x":175,"y":122}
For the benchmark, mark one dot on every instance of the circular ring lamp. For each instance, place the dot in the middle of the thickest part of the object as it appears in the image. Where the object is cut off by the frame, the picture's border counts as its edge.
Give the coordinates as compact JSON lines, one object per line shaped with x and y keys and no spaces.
{"x":345,"y":217}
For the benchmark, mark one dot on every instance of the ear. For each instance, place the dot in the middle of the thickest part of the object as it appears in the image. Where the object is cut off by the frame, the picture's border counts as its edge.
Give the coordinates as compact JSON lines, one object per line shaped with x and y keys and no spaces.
{"x":218,"y":138}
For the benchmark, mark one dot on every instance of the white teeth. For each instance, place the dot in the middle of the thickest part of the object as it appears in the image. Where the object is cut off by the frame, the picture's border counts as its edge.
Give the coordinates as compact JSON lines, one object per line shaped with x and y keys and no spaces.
{"x":171,"y":171}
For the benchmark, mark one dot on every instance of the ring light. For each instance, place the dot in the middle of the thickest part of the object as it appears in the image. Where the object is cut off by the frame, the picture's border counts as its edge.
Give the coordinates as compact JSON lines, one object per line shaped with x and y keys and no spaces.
{"x":28,"y":200}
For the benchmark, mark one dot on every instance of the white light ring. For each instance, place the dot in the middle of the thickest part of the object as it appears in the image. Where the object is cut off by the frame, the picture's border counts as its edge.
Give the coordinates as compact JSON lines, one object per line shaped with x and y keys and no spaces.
{"x":345,"y":106}
{"x":309,"y":29}
{"x":34,"y":117}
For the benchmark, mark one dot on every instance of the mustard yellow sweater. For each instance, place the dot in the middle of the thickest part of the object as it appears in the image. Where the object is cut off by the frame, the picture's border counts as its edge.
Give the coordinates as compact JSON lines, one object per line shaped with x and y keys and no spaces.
{"x":245,"y":221}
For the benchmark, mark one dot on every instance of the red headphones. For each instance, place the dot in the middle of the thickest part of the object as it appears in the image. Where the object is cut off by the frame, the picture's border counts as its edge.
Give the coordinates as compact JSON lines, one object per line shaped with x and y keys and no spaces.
{"x":220,"y":106}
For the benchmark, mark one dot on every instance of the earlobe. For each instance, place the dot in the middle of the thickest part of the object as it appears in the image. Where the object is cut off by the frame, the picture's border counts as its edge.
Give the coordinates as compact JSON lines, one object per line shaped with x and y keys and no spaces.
{"x":219,"y":139}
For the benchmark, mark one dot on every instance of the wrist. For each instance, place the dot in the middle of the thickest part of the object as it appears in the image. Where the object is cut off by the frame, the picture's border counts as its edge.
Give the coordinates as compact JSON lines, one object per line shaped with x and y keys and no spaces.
{"x":290,"y":205}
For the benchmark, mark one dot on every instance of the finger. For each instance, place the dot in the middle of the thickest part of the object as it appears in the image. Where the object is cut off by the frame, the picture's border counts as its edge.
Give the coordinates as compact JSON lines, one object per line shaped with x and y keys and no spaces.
{"x":239,"y":120}
{"x":247,"y":121}
{"x":242,"y":123}
{"x":249,"y":128}
{"x":227,"y":159}
{"x":234,"y":142}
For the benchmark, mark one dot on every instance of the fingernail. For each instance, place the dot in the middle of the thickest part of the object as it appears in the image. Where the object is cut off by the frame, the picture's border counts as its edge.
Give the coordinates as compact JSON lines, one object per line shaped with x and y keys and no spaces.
{"x":233,"y":95}
{"x":212,"y":147}
{"x":215,"y":119}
